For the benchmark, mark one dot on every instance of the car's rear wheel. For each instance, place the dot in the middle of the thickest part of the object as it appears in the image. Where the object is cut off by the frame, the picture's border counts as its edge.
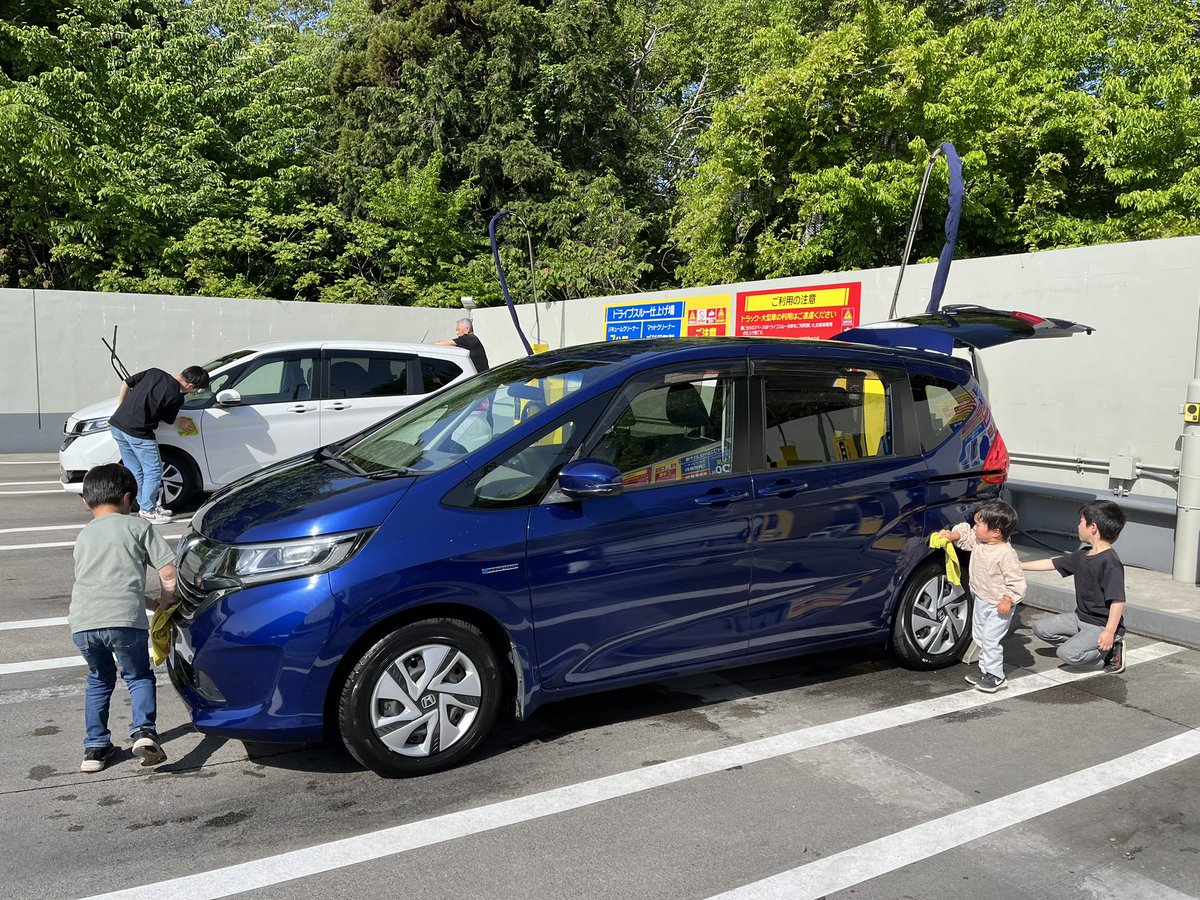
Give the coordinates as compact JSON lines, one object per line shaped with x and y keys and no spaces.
{"x":180,"y":478}
{"x":932,"y":626}
{"x":421,"y":699}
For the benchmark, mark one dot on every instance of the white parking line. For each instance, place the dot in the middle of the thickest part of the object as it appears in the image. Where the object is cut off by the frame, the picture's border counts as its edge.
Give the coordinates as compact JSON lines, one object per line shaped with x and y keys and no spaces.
{"x":49,"y":546}
{"x":29,"y":462}
{"x":37,"y":665}
{"x":391,"y":841}
{"x":27,"y":483}
{"x":24,"y":493}
{"x":40,"y":528}
{"x":32,"y":623}
{"x":866,"y":861}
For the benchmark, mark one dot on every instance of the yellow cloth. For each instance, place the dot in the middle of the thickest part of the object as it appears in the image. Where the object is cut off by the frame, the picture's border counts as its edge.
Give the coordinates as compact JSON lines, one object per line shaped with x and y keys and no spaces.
{"x":953,"y":567}
{"x":160,"y":632}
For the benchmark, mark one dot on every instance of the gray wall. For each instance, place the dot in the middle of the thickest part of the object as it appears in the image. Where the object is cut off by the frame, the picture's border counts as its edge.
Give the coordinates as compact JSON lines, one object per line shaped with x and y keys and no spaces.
{"x":1080,"y":401}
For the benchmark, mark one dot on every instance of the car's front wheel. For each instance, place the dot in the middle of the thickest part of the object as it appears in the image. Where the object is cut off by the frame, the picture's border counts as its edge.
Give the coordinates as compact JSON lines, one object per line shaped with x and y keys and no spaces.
{"x":421,"y":699}
{"x":932,"y":626}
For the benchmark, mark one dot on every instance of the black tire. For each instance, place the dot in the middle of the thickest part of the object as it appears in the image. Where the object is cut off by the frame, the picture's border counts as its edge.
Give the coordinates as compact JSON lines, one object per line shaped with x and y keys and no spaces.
{"x":413,"y":691}
{"x":181,"y":478}
{"x":932,"y":625}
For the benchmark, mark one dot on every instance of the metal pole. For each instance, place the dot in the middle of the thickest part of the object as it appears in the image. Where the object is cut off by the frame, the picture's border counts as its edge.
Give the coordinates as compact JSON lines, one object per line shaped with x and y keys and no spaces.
{"x":1187,"y":517}
{"x":912,"y":229}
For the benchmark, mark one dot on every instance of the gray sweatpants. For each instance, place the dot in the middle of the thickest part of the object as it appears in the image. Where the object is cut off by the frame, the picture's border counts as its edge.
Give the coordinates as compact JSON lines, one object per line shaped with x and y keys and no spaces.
{"x":1075,"y":638}
{"x":988,"y":628}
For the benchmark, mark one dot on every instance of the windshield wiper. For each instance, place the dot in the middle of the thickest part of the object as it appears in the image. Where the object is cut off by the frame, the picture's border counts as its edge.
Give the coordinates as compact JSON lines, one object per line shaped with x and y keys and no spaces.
{"x":389,"y":472}
{"x":326,"y":455}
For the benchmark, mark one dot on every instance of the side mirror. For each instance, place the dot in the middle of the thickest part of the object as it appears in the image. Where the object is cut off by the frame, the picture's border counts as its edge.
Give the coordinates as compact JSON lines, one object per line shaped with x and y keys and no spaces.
{"x":586,"y":478}
{"x":229,"y":397}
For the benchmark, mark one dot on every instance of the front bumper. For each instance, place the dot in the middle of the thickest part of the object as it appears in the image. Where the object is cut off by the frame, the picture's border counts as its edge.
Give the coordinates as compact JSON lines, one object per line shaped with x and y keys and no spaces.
{"x":257,"y":664}
{"x":81,"y":452}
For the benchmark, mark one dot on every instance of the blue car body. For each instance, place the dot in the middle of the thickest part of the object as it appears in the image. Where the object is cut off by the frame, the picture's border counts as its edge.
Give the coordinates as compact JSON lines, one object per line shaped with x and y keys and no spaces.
{"x":727,"y":556}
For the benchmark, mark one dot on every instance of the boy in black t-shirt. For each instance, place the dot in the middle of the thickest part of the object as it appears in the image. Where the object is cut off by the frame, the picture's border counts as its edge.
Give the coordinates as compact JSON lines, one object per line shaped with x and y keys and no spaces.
{"x":147,"y":398}
{"x":1095,"y":630}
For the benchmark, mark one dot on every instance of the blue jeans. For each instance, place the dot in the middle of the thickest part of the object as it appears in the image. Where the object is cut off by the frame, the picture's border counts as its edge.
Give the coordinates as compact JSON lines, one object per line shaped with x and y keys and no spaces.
{"x":103,"y":649}
{"x":141,"y":457}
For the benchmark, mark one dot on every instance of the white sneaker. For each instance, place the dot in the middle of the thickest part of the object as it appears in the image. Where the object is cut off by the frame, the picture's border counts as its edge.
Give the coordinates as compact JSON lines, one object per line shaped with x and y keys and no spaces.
{"x":155,"y":517}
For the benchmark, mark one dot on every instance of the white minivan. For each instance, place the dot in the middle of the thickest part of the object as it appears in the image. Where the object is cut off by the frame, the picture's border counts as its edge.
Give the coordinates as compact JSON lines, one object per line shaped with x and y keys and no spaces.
{"x":267,"y":403}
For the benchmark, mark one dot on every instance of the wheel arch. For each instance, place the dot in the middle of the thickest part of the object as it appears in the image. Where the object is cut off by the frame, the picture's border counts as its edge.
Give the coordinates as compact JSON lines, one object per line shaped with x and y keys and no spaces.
{"x":493,"y":631}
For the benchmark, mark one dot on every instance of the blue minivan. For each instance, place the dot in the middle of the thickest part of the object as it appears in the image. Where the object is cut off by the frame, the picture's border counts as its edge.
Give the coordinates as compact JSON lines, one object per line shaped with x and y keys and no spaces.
{"x":585,"y":519}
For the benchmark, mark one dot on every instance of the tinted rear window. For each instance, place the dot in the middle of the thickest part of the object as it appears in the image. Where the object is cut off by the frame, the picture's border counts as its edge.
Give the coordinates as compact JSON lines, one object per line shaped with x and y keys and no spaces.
{"x":942,"y":409}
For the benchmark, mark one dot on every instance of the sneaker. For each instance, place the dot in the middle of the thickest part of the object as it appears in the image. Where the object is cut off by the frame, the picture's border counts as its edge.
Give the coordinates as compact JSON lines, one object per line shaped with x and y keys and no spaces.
{"x":1114,"y":663}
{"x":974,"y":678}
{"x":96,"y":758}
{"x":146,"y":747}
{"x":990,"y":684}
{"x":155,"y":517}
{"x":163,"y":511}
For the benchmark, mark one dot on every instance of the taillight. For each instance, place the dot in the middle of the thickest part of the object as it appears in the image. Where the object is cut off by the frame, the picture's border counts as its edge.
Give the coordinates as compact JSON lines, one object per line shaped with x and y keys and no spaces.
{"x":995,"y":467}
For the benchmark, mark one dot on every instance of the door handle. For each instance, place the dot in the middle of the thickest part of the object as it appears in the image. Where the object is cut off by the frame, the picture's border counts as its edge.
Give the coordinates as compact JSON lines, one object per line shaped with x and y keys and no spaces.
{"x":724,"y":498}
{"x":782,"y":489}
{"x":299,"y":408}
{"x":339,"y":405}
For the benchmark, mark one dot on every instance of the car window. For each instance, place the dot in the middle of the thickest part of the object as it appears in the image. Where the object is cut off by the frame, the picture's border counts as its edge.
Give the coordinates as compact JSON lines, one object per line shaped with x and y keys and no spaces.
{"x":674,"y":431}
{"x":942,"y":407}
{"x":367,"y":375}
{"x":816,"y":417}
{"x":277,"y":380}
{"x":204,"y":398}
{"x":438,"y":373}
{"x":469,"y":415}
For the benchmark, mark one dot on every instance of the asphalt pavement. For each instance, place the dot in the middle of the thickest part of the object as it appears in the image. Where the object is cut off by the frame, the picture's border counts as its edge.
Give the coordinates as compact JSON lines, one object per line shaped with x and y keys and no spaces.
{"x":838,"y":775}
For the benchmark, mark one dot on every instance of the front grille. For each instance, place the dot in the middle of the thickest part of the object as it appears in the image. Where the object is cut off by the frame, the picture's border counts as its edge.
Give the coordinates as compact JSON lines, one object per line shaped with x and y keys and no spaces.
{"x":194,"y":553}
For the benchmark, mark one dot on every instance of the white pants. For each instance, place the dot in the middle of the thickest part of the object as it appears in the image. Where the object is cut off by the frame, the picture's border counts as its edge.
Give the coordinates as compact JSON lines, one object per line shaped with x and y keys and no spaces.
{"x":988,"y":628}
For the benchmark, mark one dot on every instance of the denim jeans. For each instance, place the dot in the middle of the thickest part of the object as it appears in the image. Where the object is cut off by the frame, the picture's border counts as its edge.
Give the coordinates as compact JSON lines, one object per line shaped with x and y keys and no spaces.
{"x":103,"y":649}
{"x":141,"y":457}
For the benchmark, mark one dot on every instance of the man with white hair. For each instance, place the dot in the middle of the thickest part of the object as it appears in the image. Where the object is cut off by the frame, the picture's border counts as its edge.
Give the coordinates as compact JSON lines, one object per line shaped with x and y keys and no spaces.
{"x":466,"y":339}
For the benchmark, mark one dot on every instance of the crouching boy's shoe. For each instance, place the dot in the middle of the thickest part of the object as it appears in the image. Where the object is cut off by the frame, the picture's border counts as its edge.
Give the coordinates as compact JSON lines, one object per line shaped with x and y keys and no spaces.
{"x":96,"y":758}
{"x":990,"y":684}
{"x":1114,"y":663}
{"x":146,"y":747}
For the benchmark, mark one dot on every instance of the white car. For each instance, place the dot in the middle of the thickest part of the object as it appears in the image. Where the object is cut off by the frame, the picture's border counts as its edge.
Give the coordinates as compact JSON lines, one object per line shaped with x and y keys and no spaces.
{"x":267,"y":403}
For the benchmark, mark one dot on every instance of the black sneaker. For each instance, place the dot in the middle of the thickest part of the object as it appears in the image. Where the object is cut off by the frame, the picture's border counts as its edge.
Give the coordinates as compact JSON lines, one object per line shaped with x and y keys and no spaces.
{"x":1114,"y":663}
{"x":974,"y":678}
{"x":96,"y":758}
{"x":146,"y":747}
{"x":990,"y":684}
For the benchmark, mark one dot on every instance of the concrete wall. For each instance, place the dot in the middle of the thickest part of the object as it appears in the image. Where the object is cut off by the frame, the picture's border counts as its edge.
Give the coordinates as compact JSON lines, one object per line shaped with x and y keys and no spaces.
{"x":1079,"y":402}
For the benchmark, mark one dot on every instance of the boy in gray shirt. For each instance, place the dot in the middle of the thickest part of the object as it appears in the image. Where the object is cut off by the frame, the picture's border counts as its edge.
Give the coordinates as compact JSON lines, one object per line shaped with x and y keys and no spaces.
{"x":107,"y":615}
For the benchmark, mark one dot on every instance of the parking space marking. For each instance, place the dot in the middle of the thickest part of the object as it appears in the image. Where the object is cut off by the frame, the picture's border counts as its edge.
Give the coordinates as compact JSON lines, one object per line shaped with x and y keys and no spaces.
{"x":37,"y":665}
{"x":24,"y":493}
{"x":27,"y":483}
{"x":338,"y":854}
{"x":866,"y":861}
{"x":40,"y":528}
{"x":29,"y":462}
{"x":51,"y":546}
{"x":31,"y":623}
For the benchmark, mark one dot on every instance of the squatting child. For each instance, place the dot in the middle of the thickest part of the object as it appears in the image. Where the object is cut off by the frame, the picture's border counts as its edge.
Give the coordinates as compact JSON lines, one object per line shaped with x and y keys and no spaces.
{"x":1095,"y":630}
{"x":997,"y":583}
{"x":107,"y":615}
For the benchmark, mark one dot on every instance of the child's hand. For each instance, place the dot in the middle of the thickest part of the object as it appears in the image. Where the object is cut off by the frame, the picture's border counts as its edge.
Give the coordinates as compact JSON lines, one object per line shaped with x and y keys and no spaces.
{"x":947,"y":535}
{"x":1105,"y":641}
{"x":1005,"y":606}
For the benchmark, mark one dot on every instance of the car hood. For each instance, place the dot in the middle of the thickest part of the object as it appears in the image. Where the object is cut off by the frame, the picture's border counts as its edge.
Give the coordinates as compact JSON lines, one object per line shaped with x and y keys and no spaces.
{"x":101,"y":410}
{"x":297,"y":499}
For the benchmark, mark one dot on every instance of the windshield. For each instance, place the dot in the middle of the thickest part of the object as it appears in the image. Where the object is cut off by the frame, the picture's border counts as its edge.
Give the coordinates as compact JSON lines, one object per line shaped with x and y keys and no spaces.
{"x":445,"y":428}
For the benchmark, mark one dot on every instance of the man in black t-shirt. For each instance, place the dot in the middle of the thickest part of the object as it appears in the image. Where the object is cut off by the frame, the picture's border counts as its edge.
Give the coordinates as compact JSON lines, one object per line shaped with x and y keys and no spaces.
{"x":147,"y":398}
{"x":466,"y":339}
{"x":1096,"y":629}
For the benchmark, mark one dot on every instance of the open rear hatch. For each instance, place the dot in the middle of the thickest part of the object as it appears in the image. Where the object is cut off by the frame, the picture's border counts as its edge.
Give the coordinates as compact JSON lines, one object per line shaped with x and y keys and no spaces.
{"x":973,"y":327}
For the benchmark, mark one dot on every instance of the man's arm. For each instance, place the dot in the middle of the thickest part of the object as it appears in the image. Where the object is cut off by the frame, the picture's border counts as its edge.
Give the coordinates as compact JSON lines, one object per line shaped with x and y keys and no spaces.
{"x":1116,"y":609}
{"x":447,"y":343}
{"x":123,"y":392}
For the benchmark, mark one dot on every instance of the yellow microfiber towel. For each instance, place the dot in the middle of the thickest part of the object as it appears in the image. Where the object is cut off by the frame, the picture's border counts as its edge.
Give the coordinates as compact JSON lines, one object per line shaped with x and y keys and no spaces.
{"x":953,"y":567}
{"x":160,"y":632}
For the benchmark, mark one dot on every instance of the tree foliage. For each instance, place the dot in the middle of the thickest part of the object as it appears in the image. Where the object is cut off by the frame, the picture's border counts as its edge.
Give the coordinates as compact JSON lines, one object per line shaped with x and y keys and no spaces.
{"x":355,"y":150}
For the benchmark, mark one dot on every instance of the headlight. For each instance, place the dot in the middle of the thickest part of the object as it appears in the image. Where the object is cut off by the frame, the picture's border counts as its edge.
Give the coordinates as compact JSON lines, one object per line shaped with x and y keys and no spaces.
{"x":241,"y":565}
{"x":88,"y":426}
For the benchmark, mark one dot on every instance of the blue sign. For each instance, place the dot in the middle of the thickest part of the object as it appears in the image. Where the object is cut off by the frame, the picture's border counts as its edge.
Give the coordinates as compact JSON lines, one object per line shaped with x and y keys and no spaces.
{"x":642,"y":312}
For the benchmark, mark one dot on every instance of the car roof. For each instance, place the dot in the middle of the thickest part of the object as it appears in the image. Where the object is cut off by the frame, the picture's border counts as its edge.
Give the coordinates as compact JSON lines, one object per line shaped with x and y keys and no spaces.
{"x":636,"y":353}
{"x":384,"y":346}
